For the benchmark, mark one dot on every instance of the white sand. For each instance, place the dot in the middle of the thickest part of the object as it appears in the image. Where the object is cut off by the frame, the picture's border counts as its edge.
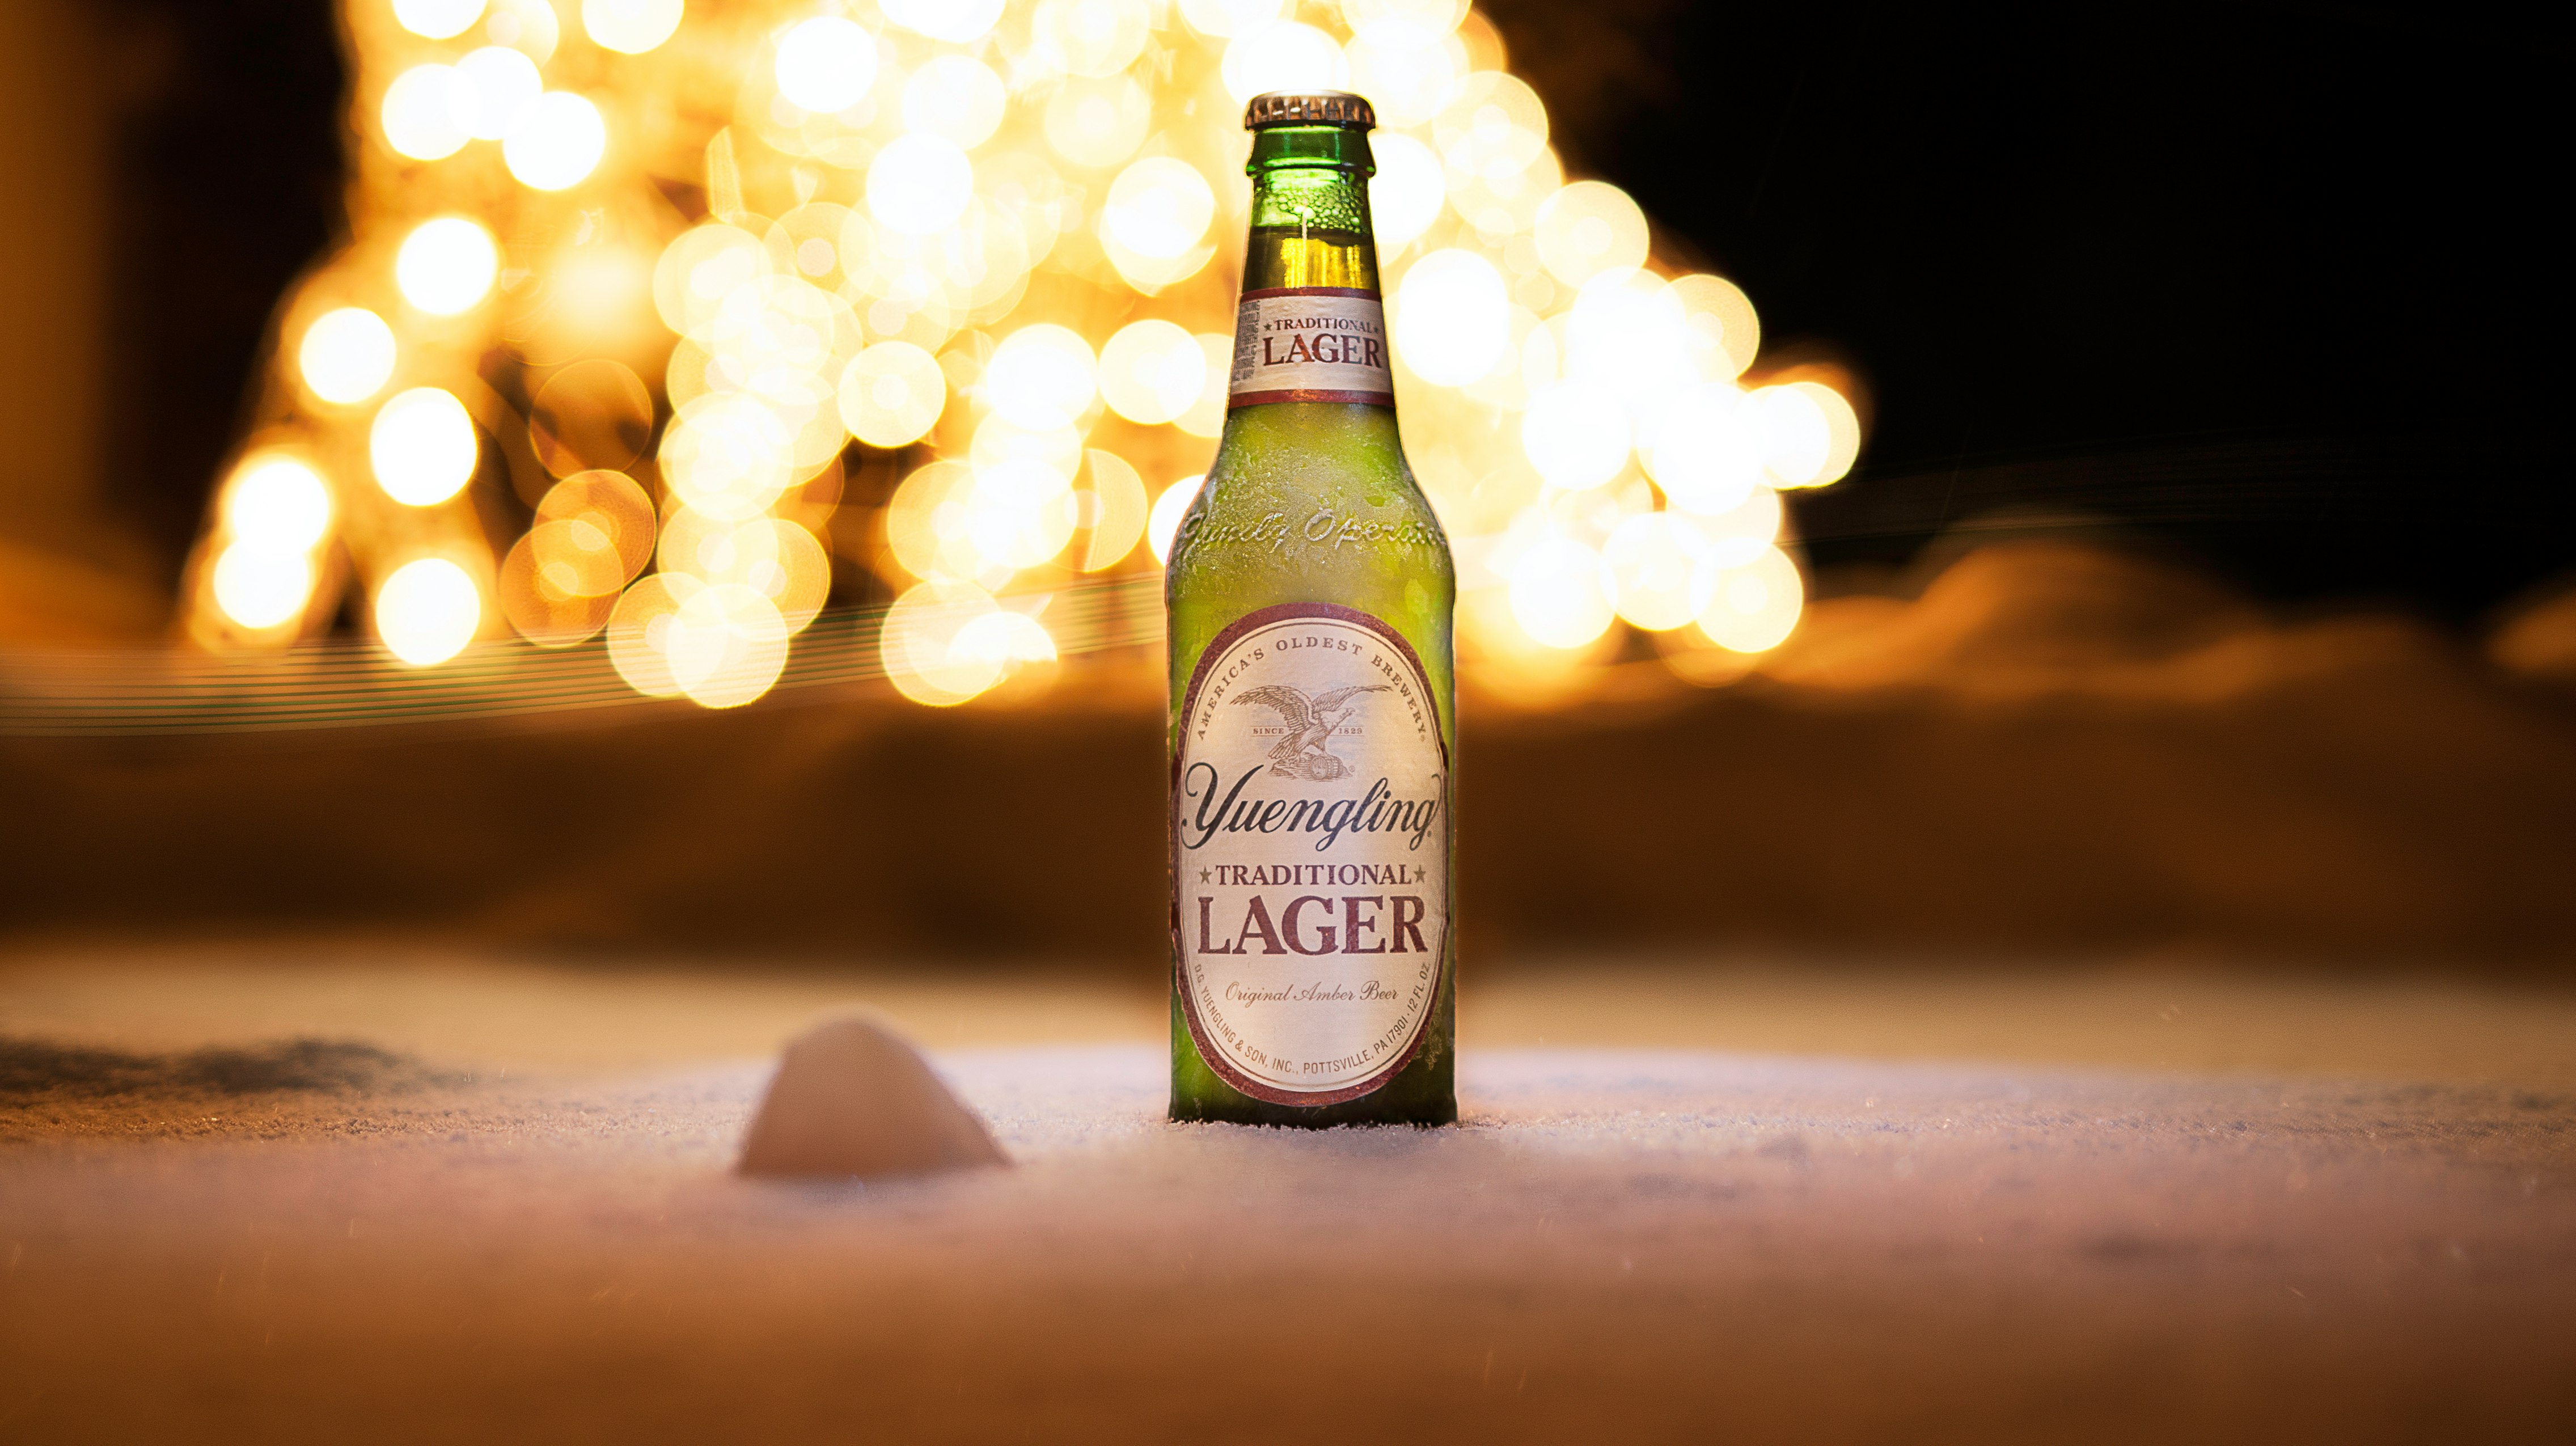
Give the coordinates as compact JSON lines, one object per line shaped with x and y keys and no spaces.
{"x":1646,"y":1243}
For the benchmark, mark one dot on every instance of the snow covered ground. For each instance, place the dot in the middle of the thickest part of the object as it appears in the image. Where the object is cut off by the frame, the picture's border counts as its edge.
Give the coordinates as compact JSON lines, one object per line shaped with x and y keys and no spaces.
{"x":1685,"y":1204}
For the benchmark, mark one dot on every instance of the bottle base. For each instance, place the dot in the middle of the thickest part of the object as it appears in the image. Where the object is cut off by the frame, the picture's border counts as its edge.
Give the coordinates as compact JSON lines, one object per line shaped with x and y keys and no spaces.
{"x":1427,"y":1113}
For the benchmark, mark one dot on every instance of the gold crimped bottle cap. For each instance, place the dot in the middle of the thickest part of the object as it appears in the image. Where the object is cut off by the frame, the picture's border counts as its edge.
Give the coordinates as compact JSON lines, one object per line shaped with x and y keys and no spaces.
{"x":1309,"y":108}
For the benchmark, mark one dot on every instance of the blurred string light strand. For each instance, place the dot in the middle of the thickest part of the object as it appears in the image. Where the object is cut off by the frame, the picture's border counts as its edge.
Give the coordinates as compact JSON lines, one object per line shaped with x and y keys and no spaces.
{"x":341,"y":683}
{"x":663,"y":320}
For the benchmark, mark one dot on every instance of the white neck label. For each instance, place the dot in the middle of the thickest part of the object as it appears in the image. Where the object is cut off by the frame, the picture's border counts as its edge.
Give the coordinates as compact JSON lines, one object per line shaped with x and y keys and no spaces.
{"x":1310,"y":344}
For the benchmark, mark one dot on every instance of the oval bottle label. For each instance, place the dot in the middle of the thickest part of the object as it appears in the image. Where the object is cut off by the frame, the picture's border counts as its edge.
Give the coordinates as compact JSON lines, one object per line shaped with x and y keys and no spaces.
{"x":1310,"y":854}
{"x":1310,"y":344}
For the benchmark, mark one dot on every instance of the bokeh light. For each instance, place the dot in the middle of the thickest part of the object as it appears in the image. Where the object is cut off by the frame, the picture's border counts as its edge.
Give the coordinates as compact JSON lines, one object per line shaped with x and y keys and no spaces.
{"x":422,"y":447}
{"x":630,"y":27}
{"x":437,"y":19}
{"x":920,"y":184}
{"x":956,"y":97}
{"x":959,"y":22}
{"x":495,"y":92}
{"x":826,"y":63}
{"x":1587,"y":228}
{"x":1556,"y":593}
{"x":1283,"y":55}
{"x":1152,"y":371}
{"x":447,"y":265}
{"x":278,"y":503}
{"x":1040,"y":377}
{"x":260,"y":586}
{"x":559,"y":143}
{"x":346,"y":355}
{"x":1754,"y":607}
{"x":421,"y":113}
{"x":427,"y":611}
{"x":1452,"y":317}
{"x":1170,"y":507}
{"x":945,"y":303}
{"x":1576,"y":432}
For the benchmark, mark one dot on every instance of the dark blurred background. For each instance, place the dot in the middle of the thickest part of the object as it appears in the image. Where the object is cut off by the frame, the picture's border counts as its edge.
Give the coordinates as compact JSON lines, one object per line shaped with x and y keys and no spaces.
{"x":2237,"y":319}
{"x":2268,"y":284}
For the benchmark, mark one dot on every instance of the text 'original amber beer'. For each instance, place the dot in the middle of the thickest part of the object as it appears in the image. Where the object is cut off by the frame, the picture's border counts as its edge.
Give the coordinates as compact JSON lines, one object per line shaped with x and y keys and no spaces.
{"x":1313,"y":700}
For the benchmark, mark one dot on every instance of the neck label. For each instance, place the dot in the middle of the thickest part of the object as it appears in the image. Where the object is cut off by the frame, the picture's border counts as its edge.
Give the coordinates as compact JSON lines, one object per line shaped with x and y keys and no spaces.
{"x":1310,"y":854}
{"x":1310,"y":344}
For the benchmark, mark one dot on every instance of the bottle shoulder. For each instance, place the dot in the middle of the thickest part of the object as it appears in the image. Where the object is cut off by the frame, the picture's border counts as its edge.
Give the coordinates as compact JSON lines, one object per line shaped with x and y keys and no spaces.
{"x":1299,"y":488}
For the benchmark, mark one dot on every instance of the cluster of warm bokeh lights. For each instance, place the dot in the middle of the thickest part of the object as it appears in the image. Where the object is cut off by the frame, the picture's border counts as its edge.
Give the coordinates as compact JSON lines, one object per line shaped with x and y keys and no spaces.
{"x":628,"y":277}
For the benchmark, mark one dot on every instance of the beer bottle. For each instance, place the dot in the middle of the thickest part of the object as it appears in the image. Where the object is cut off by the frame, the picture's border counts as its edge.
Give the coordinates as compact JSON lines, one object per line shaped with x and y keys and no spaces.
{"x":1310,"y":594}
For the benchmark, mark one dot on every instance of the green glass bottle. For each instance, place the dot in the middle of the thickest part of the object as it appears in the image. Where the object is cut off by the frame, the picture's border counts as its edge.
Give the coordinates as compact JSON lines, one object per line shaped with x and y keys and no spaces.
{"x":1310,"y":596}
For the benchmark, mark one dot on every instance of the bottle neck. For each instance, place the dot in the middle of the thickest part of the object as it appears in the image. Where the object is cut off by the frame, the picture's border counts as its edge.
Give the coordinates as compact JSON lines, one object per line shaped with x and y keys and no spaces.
{"x":1310,"y":214}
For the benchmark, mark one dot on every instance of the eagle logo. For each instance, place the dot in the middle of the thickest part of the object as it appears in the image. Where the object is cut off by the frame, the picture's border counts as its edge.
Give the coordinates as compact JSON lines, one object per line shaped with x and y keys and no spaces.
{"x":1311,"y":718}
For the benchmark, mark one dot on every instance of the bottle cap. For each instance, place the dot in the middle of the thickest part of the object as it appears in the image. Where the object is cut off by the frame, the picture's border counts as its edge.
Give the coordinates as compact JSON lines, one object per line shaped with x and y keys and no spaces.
{"x":1309,"y":108}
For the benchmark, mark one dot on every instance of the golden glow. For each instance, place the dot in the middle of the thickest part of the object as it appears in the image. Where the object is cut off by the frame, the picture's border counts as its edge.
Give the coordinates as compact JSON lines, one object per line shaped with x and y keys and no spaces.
{"x":1165,"y":522}
{"x":1403,"y":24}
{"x":559,"y":583}
{"x":495,"y":92}
{"x":1098,"y":123}
{"x":1152,"y":371}
{"x":959,"y":22}
{"x":1754,"y":607}
{"x":998,"y":439}
{"x":725,"y":645}
{"x":1407,"y":193}
{"x":1588,"y":228}
{"x":698,"y":270}
{"x":727,"y":455}
{"x":1724,"y":332}
{"x":1452,"y":317}
{"x":639,"y":630}
{"x":630,"y":27}
{"x":918,"y":645}
{"x":1842,"y":436}
{"x":346,"y":355}
{"x":421,"y":110}
{"x":559,"y":143}
{"x":277,"y":503}
{"x":1707,"y":454}
{"x":1206,"y":416}
{"x":428,"y":611}
{"x":611,"y":505}
{"x":437,"y":19}
{"x":1040,"y":377}
{"x":1653,"y":562}
{"x":1406,"y":72}
{"x":1092,"y":37}
{"x":826,"y":64}
{"x":932,"y":226}
{"x":771,"y":556}
{"x":955,"y":97}
{"x":447,"y":265}
{"x":1225,"y":18}
{"x":422,"y":447}
{"x":920,"y":184}
{"x":1556,"y":593}
{"x":926,"y":523}
{"x":1113,"y":508}
{"x":1736,"y":536}
{"x":593,"y":414}
{"x":891,"y":394}
{"x":260,"y":586}
{"x":1282,"y":56}
{"x":1576,"y":432}
{"x":1153,"y":220}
